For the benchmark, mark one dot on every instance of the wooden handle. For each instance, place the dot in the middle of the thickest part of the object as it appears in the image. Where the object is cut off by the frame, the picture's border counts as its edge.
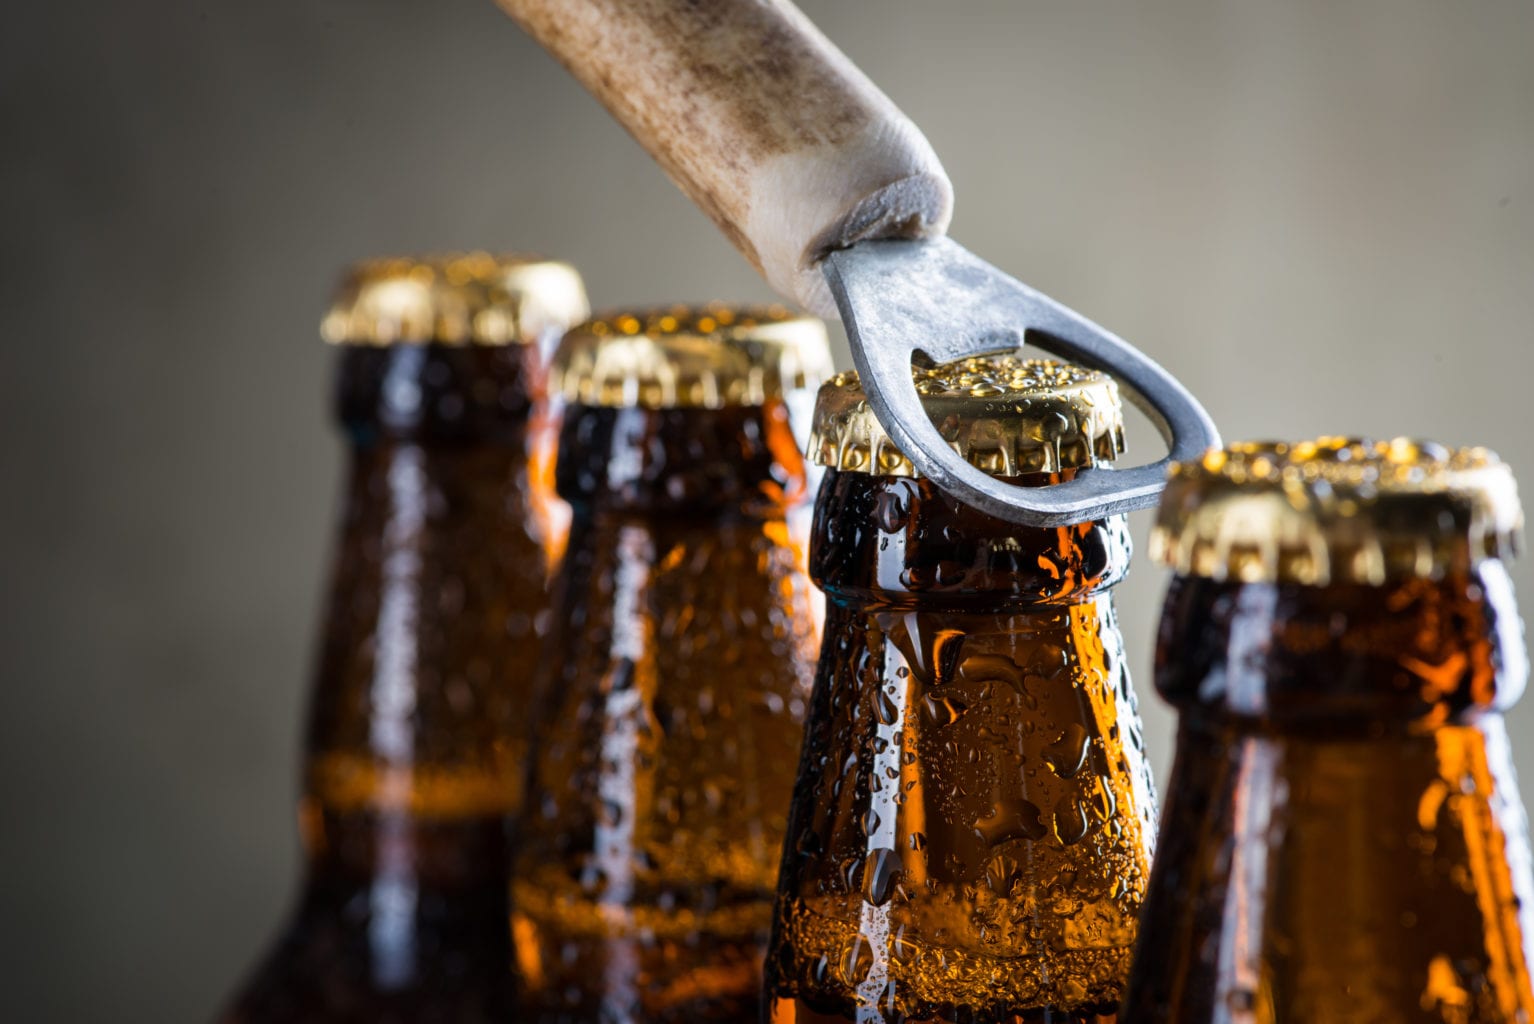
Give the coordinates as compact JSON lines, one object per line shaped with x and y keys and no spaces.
{"x":764,"y":123}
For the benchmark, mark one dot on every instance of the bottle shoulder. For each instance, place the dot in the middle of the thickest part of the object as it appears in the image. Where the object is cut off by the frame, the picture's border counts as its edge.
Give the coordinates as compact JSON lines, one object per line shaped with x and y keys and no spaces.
{"x":974,"y":792}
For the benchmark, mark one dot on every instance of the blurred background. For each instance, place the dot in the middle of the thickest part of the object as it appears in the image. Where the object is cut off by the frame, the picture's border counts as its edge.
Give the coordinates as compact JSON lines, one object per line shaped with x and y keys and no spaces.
{"x":1320,"y":215}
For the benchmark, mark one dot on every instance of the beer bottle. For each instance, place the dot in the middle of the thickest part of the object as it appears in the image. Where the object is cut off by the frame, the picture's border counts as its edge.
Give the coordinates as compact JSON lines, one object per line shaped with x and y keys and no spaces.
{"x":415,"y":748}
{"x":1344,"y":839}
{"x":972,"y":821}
{"x":680,"y":660}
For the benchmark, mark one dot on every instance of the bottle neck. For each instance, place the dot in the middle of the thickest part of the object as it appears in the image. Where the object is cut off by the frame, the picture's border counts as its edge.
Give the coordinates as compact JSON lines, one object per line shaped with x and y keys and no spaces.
{"x":902,"y":541}
{"x":679,"y":660}
{"x":1344,"y":829}
{"x":437,"y":597}
{"x":680,"y":463}
{"x":438,"y":394}
{"x":1345,"y":659}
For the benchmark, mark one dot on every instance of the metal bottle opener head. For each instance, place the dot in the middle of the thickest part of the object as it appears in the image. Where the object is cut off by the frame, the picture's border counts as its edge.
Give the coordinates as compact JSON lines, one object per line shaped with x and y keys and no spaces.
{"x":933,"y":296}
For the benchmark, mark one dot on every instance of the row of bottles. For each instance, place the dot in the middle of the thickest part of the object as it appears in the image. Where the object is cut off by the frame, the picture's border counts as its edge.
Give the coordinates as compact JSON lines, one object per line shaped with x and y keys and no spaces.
{"x":581,"y":751}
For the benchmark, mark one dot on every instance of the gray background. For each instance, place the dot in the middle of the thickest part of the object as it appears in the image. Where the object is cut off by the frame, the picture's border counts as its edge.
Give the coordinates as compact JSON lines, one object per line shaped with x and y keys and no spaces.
{"x":1320,"y":214}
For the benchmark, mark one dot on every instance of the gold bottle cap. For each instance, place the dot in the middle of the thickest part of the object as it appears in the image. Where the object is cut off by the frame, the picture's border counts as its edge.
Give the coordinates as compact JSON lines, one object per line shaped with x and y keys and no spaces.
{"x":458,"y":299}
{"x":1336,"y":510}
{"x":691,"y":357}
{"x":1004,"y":414}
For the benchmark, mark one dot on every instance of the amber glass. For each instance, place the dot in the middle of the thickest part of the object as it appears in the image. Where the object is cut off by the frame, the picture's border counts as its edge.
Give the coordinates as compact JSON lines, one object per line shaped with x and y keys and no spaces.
{"x":971,"y":825}
{"x":1344,"y":839}
{"x":673,"y":708}
{"x":415,"y":742}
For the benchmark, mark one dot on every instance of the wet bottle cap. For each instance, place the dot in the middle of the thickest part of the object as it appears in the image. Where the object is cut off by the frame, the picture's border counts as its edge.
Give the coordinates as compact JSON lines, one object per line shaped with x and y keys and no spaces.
{"x":1004,"y":414}
{"x":1337,"y":510}
{"x":706,"y":357}
{"x":455,"y":299}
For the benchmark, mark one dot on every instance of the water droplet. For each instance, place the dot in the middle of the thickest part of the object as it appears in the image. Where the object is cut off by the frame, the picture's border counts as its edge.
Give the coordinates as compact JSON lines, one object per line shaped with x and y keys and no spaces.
{"x":857,"y":959}
{"x":1068,"y":753}
{"x":943,"y":710}
{"x":851,"y":868}
{"x":1107,"y":800}
{"x":1001,"y":874}
{"x":990,"y":667}
{"x":880,"y":872}
{"x":891,"y":512}
{"x":1241,"y":1001}
{"x":1047,"y":660}
{"x":950,"y":574}
{"x":1070,"y":820}
{"x":809,"y":843}
{"x":1011,"y":820}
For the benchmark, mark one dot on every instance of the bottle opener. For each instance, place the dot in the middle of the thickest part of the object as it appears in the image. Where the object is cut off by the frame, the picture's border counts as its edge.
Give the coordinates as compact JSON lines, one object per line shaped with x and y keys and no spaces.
{"x":837,"y":198}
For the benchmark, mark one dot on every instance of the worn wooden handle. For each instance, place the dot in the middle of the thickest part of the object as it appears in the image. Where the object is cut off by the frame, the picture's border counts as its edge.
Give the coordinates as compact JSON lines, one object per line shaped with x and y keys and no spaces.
{"x":761,"y":120}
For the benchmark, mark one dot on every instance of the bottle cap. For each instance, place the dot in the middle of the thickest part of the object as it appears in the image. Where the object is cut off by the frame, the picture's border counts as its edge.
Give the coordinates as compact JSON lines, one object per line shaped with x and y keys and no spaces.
{"x":1004,"y":414}
{"x":1336,"y":510}
{"x":457,"y":299}
{"x":691,"y":357}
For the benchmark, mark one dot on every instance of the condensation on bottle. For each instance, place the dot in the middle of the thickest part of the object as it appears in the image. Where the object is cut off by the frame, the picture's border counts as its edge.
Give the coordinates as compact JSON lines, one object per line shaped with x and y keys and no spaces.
{"x":672,"y":701}
{"x":414,"y":756}
{"x":972,"y":821}
{"x":1345,"y":839}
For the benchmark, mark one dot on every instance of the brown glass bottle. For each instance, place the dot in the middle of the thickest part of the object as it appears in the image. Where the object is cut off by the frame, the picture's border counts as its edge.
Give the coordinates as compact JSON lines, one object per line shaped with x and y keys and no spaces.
{"x":680,"y":661}
{"x":971,"y":826}
{"x":1344,"y":839}
{"x":414,"y":754}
